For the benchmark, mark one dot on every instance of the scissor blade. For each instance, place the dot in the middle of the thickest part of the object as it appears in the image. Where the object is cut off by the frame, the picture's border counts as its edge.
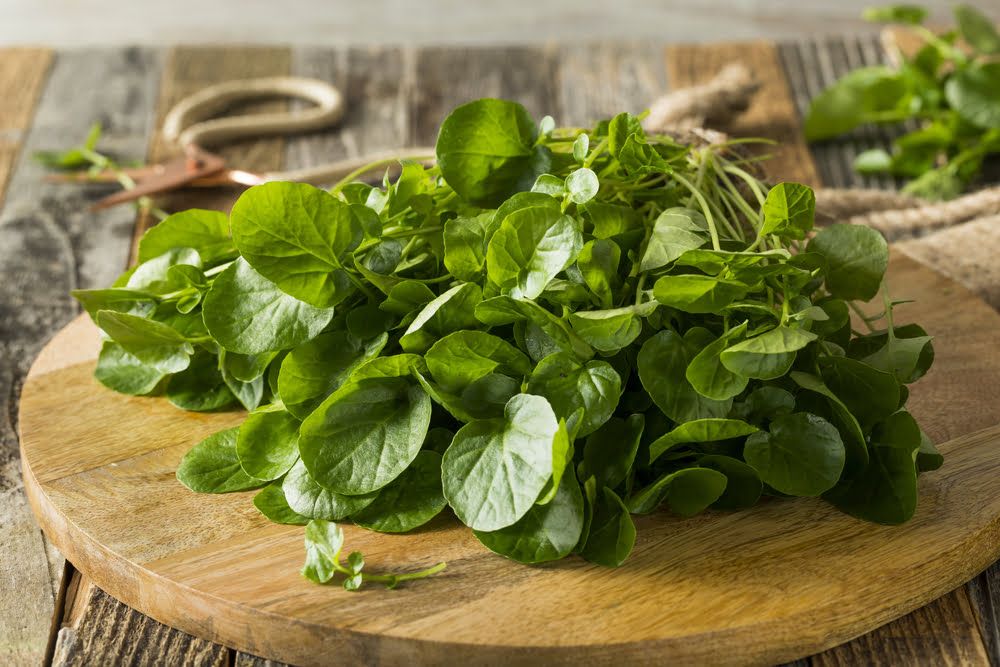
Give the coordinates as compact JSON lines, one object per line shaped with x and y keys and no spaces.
{"x":169,"y":176}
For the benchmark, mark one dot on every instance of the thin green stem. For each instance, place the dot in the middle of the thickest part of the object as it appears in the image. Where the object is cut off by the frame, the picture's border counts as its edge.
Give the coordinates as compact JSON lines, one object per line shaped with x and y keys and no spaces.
{"x":705,"y":209}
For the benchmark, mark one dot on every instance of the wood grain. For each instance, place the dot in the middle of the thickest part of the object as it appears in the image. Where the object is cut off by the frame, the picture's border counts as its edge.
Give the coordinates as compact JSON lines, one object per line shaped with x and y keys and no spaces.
{"x":22,"y":74}
{"x":780,"y":581}
{"x":51,"y":244}
{"x":772,"y":114}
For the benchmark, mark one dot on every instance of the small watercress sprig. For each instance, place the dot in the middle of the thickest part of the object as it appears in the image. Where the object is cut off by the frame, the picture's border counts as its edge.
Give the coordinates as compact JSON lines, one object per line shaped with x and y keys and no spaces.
{"x":551,"y":330}
{"x":951,"y":85}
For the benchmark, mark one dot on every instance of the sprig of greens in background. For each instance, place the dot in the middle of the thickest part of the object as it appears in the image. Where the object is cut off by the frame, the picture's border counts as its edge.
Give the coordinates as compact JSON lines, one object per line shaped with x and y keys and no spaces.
{"x":549,"y":331}
{"x":951,"y":85}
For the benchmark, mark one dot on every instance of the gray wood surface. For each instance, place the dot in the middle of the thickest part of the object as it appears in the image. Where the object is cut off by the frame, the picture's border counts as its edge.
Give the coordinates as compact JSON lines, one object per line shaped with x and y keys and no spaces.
{"x":51,"y":245}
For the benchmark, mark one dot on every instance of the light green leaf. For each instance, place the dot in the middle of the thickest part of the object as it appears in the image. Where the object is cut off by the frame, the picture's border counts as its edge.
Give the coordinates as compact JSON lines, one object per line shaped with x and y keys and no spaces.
{"x":697,"y":431}
{"x":856,"y":257}
{"x":452,"y":311}
{"x":531,"y":246}
{"x":768,"y":355}
{"x":409,"y":501}
{"x":267,"y":445}
{"x":153,"y":343}
{"x":802,"y":455}
{"x":307,"y":498}
{"x":205,"y":231}
{"x":212,"y":466}
{"x":570,"y":385}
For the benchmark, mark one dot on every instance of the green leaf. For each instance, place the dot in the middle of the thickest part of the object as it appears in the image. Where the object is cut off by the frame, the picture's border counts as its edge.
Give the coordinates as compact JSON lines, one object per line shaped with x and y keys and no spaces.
{"x":486,"y":151}
{"x":200,"y":387}
{"x":697,"y":431}
{"x":789,"y":211}
{"x":570,"y":385}
{"x":133,"y":302}
{"x":974,"y":92}
{"x":531,"y":246}
{"x":977,"y":29}
{"x":871,"y":395}
{"x":503,"y":310}
{"x":270,"y":501}
{"x":407,"y":296}
{"x":802,"y":455}
{"x":268,"y":444}
{"x":886,"y":490}
{"x":662,"y":364}
{"x":743,"y":486}
{"x":545,"y":533}
{"x":463,"y":357}
{"x":298,"y":237}
{"x":709,"y":376}
{"x":676,"y":231}
{"x":247,"y":313}
{"x":853,"y":99}
{"x":453,"y":310}
{"x":465,"y":243}
{"x":610,"y":330}
{"x":612,"y":533}
{"x":768,"y":355}
{"x":306,"y":497}
{"x":581,"y":147}
{"x":365,"y":434}
{"x":324,"y":540}
{"x":611,"y":221}
{"x":598,"y":263}
{"x":907,"y":14}
{"x":610,"y":451}
{"x":409,"y":501}
{"x":205,"y":231}
{"x":908,"y":355}
{"x":393,"y":366}
{"x":697,"y":293}
{"x":855,"y":443}
{"x":856,"y":257}
{"x":152,"y":343}
{"x":314,"y":370}
{"x":212,"y":466}
{"x":687,"y":491}
{"x":582,"y":185}
{"x":495,"y":469}
{"x":122,"y":372}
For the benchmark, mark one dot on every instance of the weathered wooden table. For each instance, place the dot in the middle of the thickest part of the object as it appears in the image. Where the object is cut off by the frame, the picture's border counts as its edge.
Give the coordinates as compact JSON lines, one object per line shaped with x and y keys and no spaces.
{"x":50,"y":244}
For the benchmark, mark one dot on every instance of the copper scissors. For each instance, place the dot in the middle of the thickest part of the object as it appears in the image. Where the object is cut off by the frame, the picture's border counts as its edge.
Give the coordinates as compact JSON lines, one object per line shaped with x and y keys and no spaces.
{"x":191,"y":127}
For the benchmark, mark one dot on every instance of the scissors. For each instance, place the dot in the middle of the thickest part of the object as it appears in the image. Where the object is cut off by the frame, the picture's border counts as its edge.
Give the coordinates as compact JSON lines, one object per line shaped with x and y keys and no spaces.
{"x":190,"y":126}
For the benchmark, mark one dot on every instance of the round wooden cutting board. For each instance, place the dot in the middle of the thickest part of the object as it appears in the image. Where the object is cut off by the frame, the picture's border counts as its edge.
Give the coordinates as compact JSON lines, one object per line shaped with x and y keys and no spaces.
{"x":783,"y":580}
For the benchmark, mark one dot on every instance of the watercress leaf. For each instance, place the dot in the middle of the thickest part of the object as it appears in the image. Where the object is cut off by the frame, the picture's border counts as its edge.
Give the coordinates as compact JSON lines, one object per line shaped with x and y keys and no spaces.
{"x":610,"y":451}
{"x":546,"y":532}
{"x":908,"y":355}
{"x":270,"y":501}
{"x":611,"y":221}
{"x":267,"y":445}
{"x":200,"y":387}
{"x":598,"y":263}
{"x":501,"y":310}
{"x":886,"y":490}
{"x":611,"y":534}
{"x":393,"y":366}
{"x":977,"y":30}
{"x":801,"y":454}
{"x":134,"y":302}
{"x":212,"y":466}
{"x":307,"y":498}
{"x":697,"y":293}
{"x":928,"y":457}
{"x":450,"y":401}
{"x":743,"y":485}
{"x":247,"y":313}
{"x":495,"y":469}
{"x":857,"y":258}
{"x":687,"y":491}
{"x":582,"y":185}
{"x":365,"y":434}
{"x":763,"y":404}
{"x":870,"y":394}
{"x":909,"y":14}
{"x":570,"y":385}
{"x":662,"y":364}
{"x":581,"y":146}
{"x":675,"y":232}
{"x":549,"y":185}
{"x":563,"y":452}
{"x":205,"y":231}
{"x":486,"y":151}
{"x":974,"y":92}
{"x":531,"y":246}
{"x":610,"y":330}
{"x":405,"y":297}
{"x":460,"y":358}
{"x":122,"y":372}
{"x":324,"y":540}
{"x":465,"y":242}
{"x":312,"y":371}
{"x":153,"y":343}
{"x":855,"y":441}
{"x":709,"y":376}
{"x":768,"y":355}
{"x":698,"y":431}
{"x":298,"y":237}
{"x":153,"y":274}
{"x":873,"y":161}
{"x":249,"y":394}
{"x":409,"y":501}
{"x":486,"y":397}
{"x":621,"y":127}
{"x":853,"y":99}
{"x":453,"y":310}
{"x":789,"y":210}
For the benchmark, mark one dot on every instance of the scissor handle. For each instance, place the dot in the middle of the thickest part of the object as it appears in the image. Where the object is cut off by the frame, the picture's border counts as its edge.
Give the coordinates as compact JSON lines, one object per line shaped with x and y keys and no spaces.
{"x":185,"y":123}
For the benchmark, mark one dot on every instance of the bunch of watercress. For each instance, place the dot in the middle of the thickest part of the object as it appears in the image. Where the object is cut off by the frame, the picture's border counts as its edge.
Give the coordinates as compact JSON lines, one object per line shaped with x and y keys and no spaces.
{"x":549,"y":331}
{"x":951,"y":85}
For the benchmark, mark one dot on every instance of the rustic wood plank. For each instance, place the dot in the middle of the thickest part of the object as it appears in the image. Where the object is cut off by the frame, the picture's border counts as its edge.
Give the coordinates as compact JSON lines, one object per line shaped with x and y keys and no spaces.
{"x":49,"y":244}
{"x":945,"y":632}
{"x":189,"y":69}
{"x":772,"y":113}
{"x":447,"y":77}
{"x":22,"y":74}
{"x":103,"y":631}
{"x":599,"y":80}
